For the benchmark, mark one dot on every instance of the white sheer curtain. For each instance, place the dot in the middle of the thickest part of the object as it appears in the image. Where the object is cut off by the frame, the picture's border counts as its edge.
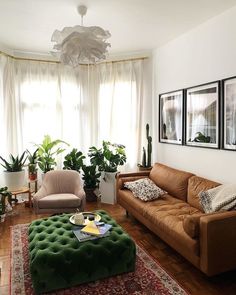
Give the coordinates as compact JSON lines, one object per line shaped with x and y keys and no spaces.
{"x":81,"y":106}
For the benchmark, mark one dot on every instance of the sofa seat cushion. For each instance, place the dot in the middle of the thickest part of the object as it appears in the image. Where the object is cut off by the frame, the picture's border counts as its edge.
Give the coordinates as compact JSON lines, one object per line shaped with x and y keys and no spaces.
{"x":166,"y":214}
{"x":59,"y":201}
{"x":174,"y":181}
{"x":196,"y":185}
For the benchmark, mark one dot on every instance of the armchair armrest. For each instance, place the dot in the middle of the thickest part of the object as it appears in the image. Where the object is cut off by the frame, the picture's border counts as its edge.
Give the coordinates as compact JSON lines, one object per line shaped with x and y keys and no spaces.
{"x":80,"y":193}
{"x":218,"y":242}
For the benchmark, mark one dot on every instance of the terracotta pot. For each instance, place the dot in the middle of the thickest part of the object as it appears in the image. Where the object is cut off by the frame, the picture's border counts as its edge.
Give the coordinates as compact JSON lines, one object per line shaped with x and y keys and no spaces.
{"x":141,"y":168}
{"x":32,"y":176}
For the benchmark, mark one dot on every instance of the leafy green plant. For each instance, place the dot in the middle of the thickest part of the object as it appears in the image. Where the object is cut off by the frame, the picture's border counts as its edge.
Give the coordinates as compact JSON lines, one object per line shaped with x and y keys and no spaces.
{"x":47,"y":152}
{"x":32,"y":157}
{"x":74,"y":160}
{"x":200,"y":137}
{"x":90,"y":176}
{"x":109,"y":157}
{"x":15,"y":164}
{"x":4,"y":193}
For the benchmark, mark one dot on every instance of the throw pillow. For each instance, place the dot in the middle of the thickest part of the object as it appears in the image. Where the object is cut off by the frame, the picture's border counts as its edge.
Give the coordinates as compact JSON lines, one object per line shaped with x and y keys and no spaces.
{"x":220,"y":198}
{"x":144,"y":189}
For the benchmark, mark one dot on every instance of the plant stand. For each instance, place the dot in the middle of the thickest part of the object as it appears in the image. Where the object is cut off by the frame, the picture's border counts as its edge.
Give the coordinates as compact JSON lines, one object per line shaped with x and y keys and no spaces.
{"x":108,"y":187}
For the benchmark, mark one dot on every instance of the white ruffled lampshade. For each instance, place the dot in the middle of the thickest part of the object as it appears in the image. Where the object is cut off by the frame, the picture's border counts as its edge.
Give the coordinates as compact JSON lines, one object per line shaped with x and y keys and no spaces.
{"x":80,"y":45}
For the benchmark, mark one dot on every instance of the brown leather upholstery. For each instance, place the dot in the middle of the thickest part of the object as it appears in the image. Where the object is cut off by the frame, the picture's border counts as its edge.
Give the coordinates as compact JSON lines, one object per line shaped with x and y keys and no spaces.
{"x":206,"y":240}
{"x":164,"y":217}
{"x":174,"y":181}
{"x":218,"y":242}
{"x":196,"y":185}
{"x":191,"y":225}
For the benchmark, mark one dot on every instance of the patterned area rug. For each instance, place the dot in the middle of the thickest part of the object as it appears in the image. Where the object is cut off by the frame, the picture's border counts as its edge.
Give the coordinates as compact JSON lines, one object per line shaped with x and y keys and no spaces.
{"x":149,"y":277}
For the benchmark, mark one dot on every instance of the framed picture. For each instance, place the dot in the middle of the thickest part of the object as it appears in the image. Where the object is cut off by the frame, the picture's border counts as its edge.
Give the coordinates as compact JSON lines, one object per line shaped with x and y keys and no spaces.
{"x":171,"y":117}
{"x":229,"y":114}
{"x":202,"y":115}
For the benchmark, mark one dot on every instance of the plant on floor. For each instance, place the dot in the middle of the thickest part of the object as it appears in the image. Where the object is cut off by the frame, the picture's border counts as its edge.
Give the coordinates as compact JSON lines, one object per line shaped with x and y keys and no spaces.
{"x":4,"y":193}
{"x":47,"y":152}
{"x":109,"y":157}
{"x":74,"y":160}
{"x":90,"y":176}
{"x":146,"y":157}
{"x":15,"y":164}
{"x":32,"y":166}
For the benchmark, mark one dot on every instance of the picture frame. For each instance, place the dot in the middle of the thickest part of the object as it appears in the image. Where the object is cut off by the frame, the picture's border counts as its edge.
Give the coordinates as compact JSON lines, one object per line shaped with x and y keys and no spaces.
{"x":202,"y":115}
{"x":171,"y":117}
{"x":229,"y":114}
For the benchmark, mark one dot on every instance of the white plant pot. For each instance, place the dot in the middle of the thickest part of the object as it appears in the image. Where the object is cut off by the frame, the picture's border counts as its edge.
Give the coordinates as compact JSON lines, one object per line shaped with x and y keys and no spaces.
{"x":108,"y":187}
{"x":14,"y":180}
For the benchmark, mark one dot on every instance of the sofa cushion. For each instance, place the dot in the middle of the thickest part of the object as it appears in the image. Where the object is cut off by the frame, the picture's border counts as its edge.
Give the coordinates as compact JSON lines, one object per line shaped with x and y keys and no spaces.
{"x":174,"y":181}
{"x":144,"y":189}
{"x":165,"y":217}
{"x":59,"y":201}
{"x":196,"y":185}
{"x":191,"y":225}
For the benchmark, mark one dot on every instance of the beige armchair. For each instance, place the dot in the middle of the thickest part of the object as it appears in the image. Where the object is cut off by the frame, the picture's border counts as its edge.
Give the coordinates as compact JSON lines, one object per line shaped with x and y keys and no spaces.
{"x":61,"y":191}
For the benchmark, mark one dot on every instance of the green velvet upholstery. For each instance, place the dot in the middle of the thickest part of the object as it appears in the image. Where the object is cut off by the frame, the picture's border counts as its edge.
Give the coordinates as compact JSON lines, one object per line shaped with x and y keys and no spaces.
{"x":59,"y":260}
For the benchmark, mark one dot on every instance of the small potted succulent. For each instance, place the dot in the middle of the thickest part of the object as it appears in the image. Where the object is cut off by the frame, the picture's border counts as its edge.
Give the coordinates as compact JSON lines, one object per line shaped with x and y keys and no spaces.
{"x":32,"y":166}
{"x":14,"y":174}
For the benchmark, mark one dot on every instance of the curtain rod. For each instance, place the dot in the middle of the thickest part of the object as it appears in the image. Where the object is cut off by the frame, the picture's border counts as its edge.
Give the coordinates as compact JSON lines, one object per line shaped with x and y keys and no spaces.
{"x":57,"y":62}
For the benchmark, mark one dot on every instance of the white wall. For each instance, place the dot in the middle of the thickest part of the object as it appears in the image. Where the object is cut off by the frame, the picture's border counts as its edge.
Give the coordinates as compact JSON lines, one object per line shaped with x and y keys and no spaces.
{"x":202,"y":55}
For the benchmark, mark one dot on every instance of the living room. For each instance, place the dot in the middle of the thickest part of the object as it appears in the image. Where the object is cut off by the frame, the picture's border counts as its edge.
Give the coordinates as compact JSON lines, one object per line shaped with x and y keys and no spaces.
{"x":161,"y":53}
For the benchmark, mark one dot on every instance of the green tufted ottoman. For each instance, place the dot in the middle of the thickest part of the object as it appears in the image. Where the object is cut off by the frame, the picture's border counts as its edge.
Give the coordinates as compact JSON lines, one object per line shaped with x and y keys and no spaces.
{"x":59,"y":260}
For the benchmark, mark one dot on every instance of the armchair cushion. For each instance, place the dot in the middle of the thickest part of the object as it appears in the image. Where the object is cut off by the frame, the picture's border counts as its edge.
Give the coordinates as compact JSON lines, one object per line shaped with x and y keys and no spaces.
{"x":59,"y":201}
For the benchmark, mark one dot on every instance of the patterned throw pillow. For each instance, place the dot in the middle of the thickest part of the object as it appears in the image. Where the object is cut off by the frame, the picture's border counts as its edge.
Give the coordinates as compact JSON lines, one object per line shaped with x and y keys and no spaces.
{"x":144,"y":189}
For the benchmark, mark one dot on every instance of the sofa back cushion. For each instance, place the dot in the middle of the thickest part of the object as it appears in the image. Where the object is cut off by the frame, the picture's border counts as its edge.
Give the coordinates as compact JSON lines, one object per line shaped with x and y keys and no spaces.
{"x":174,"y":181}
{"x":197,"y":185}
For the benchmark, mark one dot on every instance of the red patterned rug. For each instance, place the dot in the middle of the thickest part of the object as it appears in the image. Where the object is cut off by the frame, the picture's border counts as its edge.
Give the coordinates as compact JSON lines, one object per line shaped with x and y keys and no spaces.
{"x":149,"y":277}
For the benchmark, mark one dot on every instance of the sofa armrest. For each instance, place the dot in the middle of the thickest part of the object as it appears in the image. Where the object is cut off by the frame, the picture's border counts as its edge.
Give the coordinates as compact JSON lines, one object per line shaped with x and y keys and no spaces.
{"x":218,"y":242}
{"x":121,"y":178}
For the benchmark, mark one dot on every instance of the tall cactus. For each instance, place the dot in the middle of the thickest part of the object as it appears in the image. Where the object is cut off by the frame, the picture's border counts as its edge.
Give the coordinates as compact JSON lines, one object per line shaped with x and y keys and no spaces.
{"x":149,"y":146}
{"x":144,"y":158}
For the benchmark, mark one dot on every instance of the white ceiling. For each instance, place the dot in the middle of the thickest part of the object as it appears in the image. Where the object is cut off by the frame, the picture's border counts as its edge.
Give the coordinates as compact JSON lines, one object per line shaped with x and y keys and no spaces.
{"x":135,"y":25}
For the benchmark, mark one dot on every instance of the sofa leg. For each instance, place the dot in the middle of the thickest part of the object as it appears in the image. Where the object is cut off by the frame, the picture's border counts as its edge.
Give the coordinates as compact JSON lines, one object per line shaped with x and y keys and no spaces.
{"x":127,"y":213}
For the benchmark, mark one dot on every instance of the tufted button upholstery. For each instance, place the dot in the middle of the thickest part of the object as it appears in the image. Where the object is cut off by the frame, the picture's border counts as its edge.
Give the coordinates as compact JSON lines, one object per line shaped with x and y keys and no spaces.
{"x":59,"y":260}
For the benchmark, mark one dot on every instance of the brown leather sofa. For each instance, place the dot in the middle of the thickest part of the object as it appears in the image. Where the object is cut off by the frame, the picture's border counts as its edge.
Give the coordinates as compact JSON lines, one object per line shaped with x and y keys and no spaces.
{"x":207,"y":240}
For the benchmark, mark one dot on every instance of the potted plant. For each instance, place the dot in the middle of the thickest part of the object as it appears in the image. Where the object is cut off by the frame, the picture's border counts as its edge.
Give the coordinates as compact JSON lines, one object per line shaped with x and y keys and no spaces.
{"x":47,"y":152}
{"x":146,"y":158}
{"x":74,"y":160}
{"x":14,"y":174}
{"x":108,"y":158}
{"x":32,"y":166}
{"x":91,"y":178}
{"x":4,"y":193}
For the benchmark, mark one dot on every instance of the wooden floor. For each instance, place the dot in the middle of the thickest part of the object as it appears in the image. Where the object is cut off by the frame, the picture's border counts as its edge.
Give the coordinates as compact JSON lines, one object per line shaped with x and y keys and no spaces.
{"x":187,"y":275}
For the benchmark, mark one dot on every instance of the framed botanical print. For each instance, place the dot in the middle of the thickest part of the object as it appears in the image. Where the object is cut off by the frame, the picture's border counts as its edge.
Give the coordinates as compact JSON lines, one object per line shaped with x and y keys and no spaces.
{"x":229,"y":114}
{"x":171,"y":117}
{"x":202,"y":115}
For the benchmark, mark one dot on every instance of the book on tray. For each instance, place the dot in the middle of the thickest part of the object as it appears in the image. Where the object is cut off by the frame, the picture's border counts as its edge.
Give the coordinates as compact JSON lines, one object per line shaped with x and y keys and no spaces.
{"x":92,"y":231}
